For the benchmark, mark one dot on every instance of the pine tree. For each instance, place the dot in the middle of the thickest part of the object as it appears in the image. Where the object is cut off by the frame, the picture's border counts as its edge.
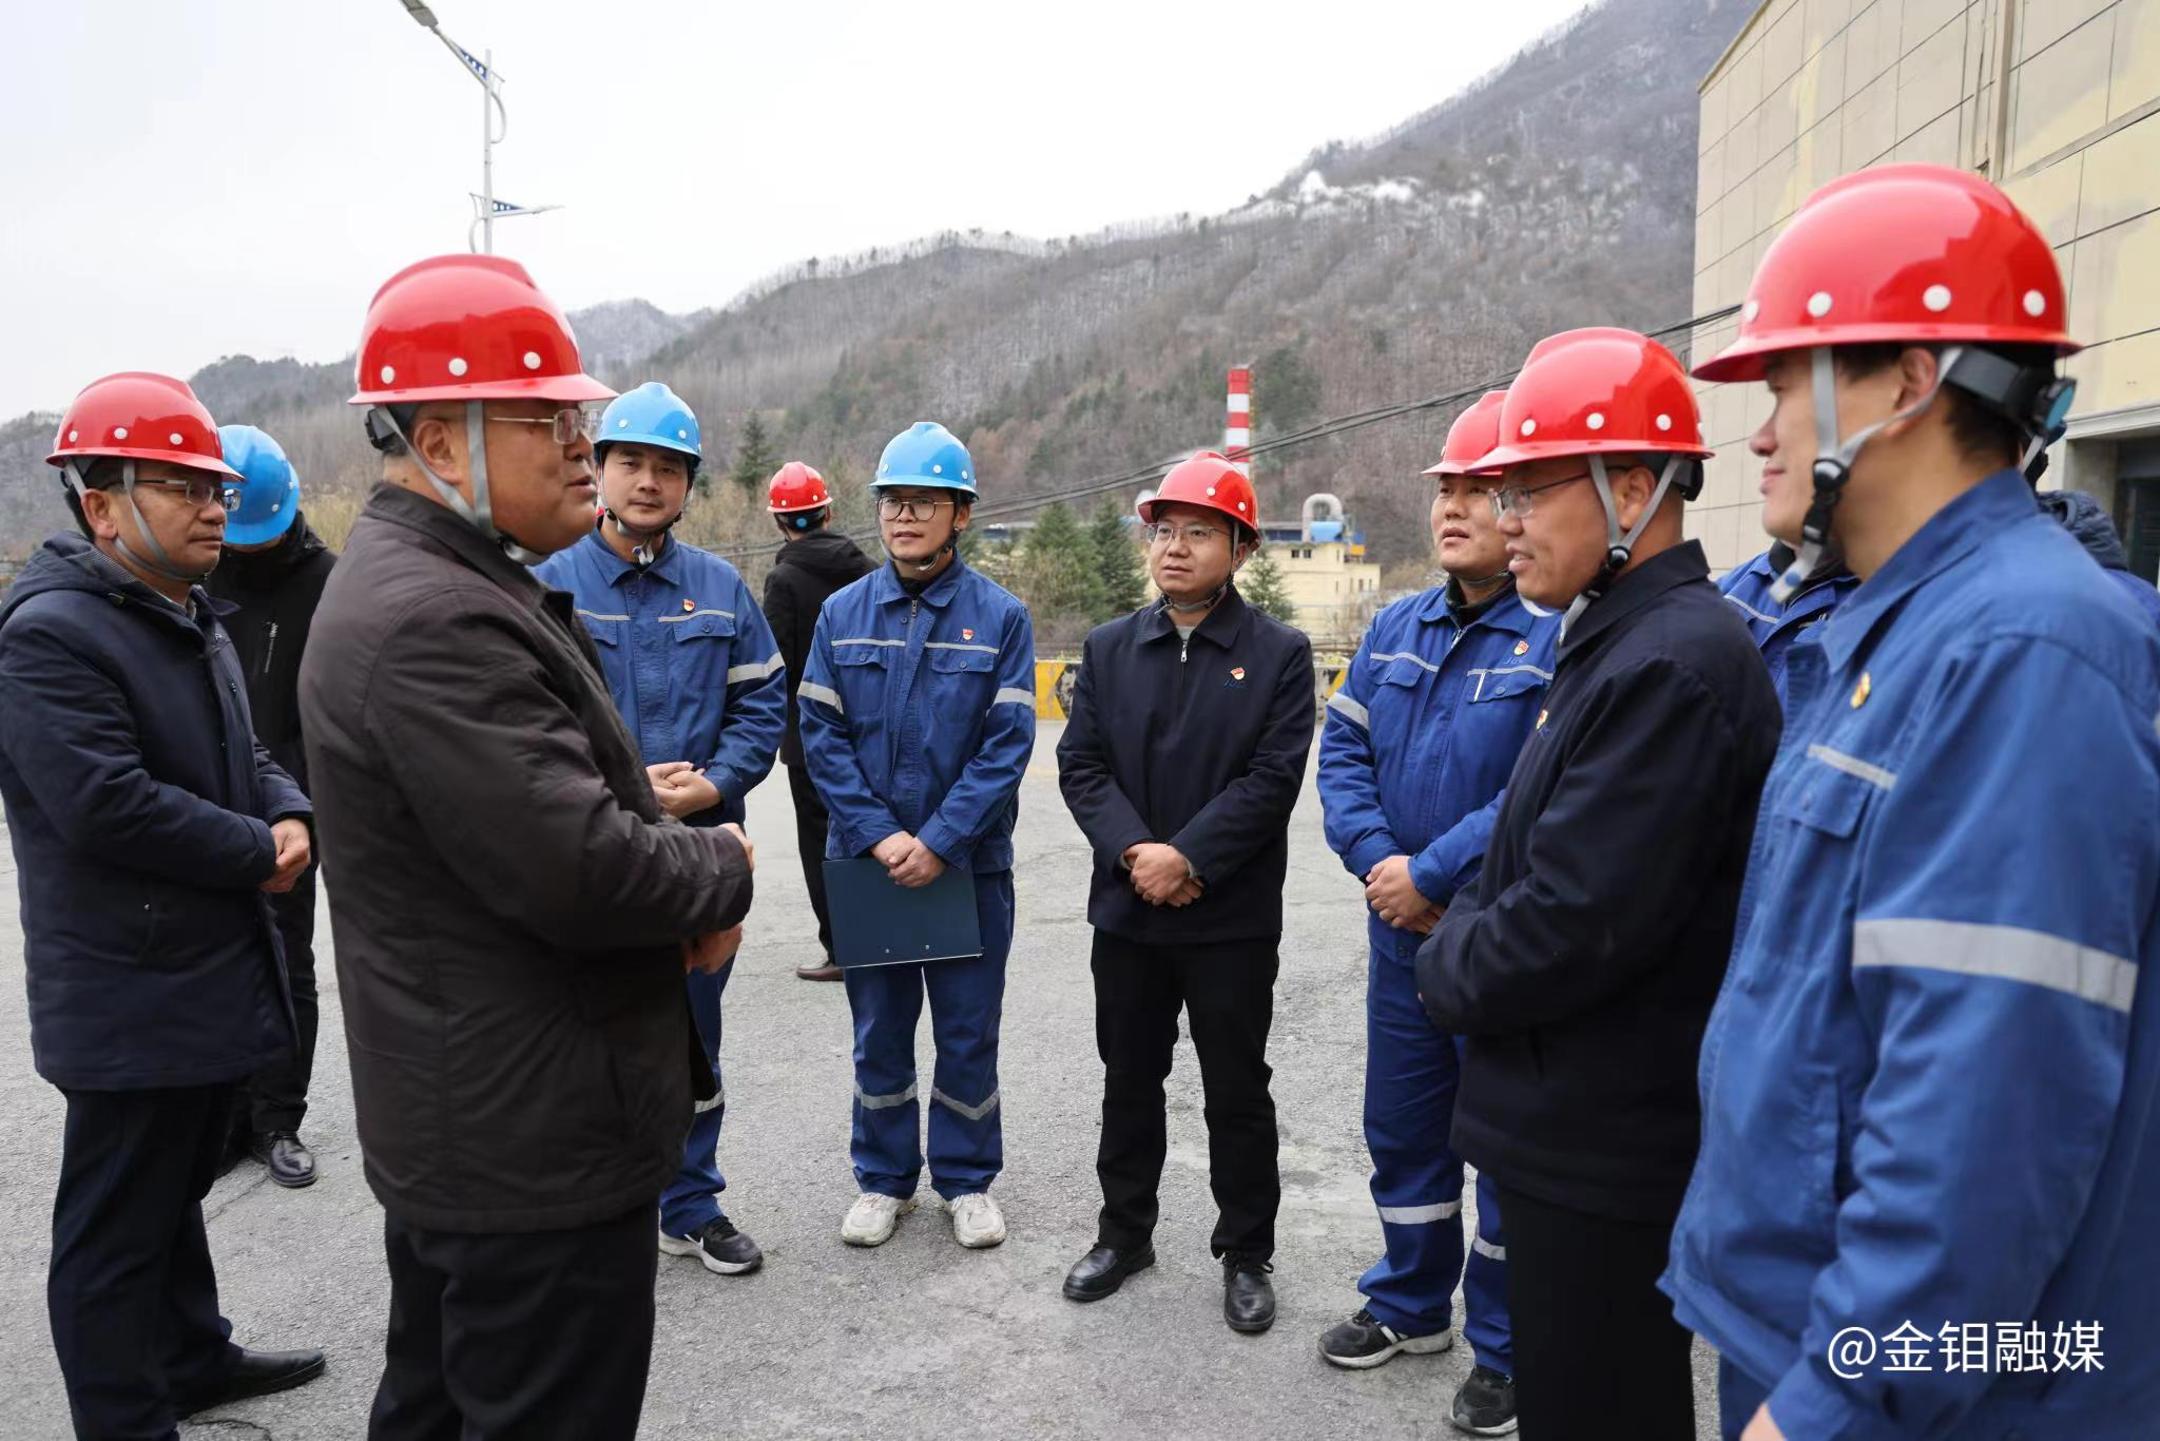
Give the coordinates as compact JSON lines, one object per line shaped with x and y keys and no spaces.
{"x":1057,"y":568}
{"x":1262,"y":586}
{"x":754,"y":458}
{"x":1117,"y":562}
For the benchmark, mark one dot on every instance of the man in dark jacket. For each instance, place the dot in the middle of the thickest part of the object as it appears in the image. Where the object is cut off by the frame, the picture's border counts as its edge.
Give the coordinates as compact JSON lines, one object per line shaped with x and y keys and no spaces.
{"x":813,"y":564}
{"x":1190,"y":727}
{"x":510,"y":907}
{"x":1583,"y":967}
{"x":2088,"y":523}
{"x":272,"y":574}
{"x":147,"y":825}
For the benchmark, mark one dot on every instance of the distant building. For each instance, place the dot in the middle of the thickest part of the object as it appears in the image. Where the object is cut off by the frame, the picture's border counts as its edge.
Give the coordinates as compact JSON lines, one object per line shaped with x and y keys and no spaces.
{"x":1334,"y":587}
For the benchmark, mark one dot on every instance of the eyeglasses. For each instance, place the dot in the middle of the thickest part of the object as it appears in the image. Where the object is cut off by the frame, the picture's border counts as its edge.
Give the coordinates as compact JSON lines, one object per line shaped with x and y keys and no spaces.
{"x":571,"y":423}
{"x":1517,"y":499}
{"x":895,"y":507}
{"x":1193,"y":535}
{"x":198,"y":491}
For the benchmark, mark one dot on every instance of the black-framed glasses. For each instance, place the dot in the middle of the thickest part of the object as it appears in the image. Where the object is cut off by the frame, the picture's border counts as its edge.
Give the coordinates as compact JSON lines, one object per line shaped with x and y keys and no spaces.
{"x":1517,"y":500}
{"x":1163,"y":532}
{"x":570,"y":424}
{"x":900,"y":507}
{"x":199,"y":490}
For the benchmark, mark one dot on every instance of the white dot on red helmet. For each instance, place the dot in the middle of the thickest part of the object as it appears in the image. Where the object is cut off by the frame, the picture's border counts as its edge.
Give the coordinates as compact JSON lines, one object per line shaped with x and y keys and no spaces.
{"x":1241,"y":505}
{"x":1664,"y":422}
{"x":1529,"y":427}
{"x":2035,"y":303}
{"x":1936,"y":298}
{"x":1818,"y":304}
{"x":119,"y":432}
{"x":388,"y":375}
{"x":532,"y":360}
{"x":457,"y":365}
{"x":71,"y":437}
{"x":1752,"y":309}
{"x":1211,"y":490}
{"x":175,"y":438}
{"x":1596,"y":420}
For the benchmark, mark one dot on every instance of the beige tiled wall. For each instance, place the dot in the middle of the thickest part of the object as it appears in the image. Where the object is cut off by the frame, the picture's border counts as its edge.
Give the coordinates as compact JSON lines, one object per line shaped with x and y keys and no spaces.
{"x":1816,"y":88}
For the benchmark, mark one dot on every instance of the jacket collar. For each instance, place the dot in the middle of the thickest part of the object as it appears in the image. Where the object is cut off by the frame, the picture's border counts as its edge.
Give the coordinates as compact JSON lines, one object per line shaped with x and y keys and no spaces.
{"x":1635,"y":591}
{"x":1222,"y":625}
{"x":935,"y":595}
{"x":1992,"y":506}
{"x":401,"y":507}
{"x":614,"y":569}
{"x":1506,"y":612}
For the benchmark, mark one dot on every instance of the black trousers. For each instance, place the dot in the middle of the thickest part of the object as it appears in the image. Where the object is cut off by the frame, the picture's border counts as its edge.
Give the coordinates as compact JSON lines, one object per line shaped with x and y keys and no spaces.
{"x":1597,"y":1351}
{"x":497,"y":1337}
{"x":277,"y":1096}
{"x":811,"y":822}
{"x":131,"y":1292}
{"x":1227,"y":991}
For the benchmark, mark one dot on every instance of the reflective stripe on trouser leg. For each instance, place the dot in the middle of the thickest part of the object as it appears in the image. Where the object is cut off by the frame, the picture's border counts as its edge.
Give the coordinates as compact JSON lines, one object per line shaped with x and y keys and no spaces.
{"x":1485,"y":1322}
{"x":1417,"y":1182}
{"x":885,"y":1141}
{"x":690,"y":1201}
{"x":967,"y":1002}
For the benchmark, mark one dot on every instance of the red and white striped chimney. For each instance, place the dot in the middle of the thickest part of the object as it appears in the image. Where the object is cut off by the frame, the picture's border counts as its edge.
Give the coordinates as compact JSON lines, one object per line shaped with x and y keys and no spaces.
{"x":1237,"y":429}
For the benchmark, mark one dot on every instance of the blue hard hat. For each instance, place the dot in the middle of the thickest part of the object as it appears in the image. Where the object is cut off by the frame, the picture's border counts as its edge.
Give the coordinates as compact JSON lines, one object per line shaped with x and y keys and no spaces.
{"x":269,"y":491}
{"x":926,"y":454}
{"x":651,"y":415}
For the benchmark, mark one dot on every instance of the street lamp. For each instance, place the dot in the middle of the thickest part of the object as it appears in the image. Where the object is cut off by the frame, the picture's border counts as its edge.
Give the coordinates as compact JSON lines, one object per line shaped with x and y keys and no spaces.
{"x":494,"y":124}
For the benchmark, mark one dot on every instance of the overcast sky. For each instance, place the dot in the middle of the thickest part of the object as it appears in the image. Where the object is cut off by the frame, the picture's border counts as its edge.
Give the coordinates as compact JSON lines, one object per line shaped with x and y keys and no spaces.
{"x":188,"y":180}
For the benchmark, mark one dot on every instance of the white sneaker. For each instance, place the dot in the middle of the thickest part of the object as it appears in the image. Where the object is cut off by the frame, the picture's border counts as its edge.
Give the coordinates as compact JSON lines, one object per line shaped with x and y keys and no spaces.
{"x":870,"y":1221}
{"x":976,"y":1222}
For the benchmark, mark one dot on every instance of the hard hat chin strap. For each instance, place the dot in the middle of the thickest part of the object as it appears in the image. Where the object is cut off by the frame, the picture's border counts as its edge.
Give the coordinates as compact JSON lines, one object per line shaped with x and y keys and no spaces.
{"x":1619,"y":543}
{"x":163,"y":565}
{"x":479,"y":513}
{"x":1834,"y":461}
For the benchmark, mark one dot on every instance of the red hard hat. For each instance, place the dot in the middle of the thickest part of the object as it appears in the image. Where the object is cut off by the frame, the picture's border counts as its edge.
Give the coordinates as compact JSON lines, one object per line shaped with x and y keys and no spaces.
{"x":794,"y":487}
{"x":1211,"y":482}
{"x":1914,"y":253}
{"x":138,"y":415}
{"x":1599,"y":391}
{"x":1475,"y":432}
{"x":467,"y":327}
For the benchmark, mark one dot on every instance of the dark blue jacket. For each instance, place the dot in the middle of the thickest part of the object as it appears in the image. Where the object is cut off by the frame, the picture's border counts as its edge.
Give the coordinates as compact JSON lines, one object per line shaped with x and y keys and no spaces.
{"x":139,"y":805}
{"x":1200,"y":744}
{"x":1583,"y":964}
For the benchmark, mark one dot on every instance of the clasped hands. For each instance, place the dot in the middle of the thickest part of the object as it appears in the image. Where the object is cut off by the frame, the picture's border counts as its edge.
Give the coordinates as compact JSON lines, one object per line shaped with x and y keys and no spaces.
{"x":1161,"y":875}
{"x":1395,"y":898}
{"x":907,"y":860}
{"x":681,"y":788}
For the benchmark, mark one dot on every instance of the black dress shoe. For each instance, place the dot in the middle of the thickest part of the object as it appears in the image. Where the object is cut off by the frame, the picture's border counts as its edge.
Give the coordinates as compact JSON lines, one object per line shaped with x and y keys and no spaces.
{"x":256,"y":1373}
{"x":1248,"y":1297}
{"x":291,"y":1163}
{"x":1102,"y":1270}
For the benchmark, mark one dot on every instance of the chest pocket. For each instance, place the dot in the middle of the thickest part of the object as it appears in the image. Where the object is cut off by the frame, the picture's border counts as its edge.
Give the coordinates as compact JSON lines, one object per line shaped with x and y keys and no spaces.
{"x":1811,"y":863}
{"x":1506,"y":682}
{"x":607,"y":631}
{"x":962,"y":680}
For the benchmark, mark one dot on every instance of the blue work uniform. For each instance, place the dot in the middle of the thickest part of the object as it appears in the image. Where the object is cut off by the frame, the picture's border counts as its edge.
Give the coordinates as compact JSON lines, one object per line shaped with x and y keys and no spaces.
{"x":1417,"y":748}
{"x":1930,"y":1080}
{"x":696,"y":673}
{"x":1775,"y":627}
{"x":917,"y":714}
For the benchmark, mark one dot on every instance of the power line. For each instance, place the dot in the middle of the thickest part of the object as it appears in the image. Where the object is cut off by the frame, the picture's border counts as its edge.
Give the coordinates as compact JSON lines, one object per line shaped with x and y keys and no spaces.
{"x":1319,"y":430}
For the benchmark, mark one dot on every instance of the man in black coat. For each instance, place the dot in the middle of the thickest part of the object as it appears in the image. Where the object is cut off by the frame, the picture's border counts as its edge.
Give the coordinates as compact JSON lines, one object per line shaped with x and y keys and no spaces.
{"x":1584,"y":967}
{"x":513,"y":914}
{"x":272,"y":574}
{"x":1190,"y":727}
{"x":813,"y":564}
{"x":148,"y":827}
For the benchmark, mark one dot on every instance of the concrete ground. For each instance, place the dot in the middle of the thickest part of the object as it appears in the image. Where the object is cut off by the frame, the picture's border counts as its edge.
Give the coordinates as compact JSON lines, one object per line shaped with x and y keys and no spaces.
{"x":918,"y":1338}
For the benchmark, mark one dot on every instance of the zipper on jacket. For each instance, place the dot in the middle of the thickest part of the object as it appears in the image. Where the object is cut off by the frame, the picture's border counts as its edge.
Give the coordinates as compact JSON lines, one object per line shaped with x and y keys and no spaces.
{"x":269,"y":649}
{"x":1184,"y":645}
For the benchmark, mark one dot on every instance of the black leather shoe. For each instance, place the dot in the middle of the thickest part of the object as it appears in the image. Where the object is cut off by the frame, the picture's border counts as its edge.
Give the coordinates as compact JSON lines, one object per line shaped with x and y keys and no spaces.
{"x":1102,"y":1270}
{"x":256,"y":1373}
{"x":1248,"y":1297}
{"x":291,"y":1163}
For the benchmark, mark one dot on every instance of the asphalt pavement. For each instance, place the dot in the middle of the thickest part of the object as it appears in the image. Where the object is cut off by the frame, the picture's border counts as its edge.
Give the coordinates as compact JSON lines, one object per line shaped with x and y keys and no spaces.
{"x":918,"y":1338}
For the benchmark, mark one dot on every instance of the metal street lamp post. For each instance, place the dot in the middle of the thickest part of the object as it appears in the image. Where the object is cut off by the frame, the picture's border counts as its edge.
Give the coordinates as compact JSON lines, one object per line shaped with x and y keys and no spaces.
{"x":494,"y":125}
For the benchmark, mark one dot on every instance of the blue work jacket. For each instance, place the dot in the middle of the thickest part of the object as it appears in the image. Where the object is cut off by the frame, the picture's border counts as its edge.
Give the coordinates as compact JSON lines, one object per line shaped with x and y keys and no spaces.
{"x":1776,"y":627}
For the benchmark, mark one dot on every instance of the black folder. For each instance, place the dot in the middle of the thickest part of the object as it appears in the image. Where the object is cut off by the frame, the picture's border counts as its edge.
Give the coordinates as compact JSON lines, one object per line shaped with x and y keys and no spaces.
{"x":877,"y":923}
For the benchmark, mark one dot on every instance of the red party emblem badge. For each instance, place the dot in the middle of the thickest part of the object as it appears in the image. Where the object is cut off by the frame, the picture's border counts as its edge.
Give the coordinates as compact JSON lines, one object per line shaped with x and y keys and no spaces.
{"x":689,"y":607}
{"x":1237,"y":672}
